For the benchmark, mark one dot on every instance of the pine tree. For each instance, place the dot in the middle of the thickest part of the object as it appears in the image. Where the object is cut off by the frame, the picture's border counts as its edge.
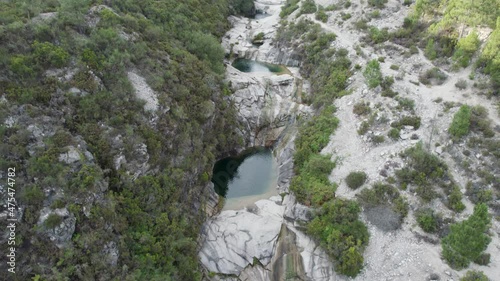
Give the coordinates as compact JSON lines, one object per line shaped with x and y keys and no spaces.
{"x":467,"y":239}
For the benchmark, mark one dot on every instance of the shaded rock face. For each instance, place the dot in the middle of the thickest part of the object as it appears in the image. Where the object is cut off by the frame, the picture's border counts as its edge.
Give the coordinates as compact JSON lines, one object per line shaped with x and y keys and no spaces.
{"x":287,"y":262}
{"x":265,"y":103}
{"x":62,"y":233}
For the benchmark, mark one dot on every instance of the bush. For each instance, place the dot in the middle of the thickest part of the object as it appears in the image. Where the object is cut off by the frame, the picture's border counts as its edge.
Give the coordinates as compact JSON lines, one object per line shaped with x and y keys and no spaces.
{"x":257,"y":39}
{"x":474,"y":275}
{"x":363,"y":128}
{"x":321,"y":15}
{"x":345,"y":16}
{"x":49,"y":55}
{"x":468,"y":239}
{"x":308,"y":7}
{"x":289,"y":7}
{"x":427,"y":220}
{"x":459,"y":127}
{"x":378,"y":139}
{"x":341,"y":234}
{"x":377,"y":3}
{"x":394,"y":133}
{"x":384,"y":195}
{"x":479,"y":121}
{"x":461,"y":84}
{"x":406,"y":103}
{"x":423,"y":169}
{"x":53,"y":220}
{"x":407,"y":121}
{"x":372,"y":74}
{"x":455,"y":200}
{"x":430,"y":50}
{"x":361,"y":108}
{"x":387,"y":82}
{"x":432,"y":76}
{"x":355,"y":179}
{"x":378,"y":36}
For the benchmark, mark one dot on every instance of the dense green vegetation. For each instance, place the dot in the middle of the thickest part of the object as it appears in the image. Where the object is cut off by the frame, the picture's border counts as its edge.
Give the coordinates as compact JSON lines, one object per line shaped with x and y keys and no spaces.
{"x":341,"y":234}
{"x":459,"y":127}
{"x":467,"y":239}
{"x":335,"y":224}
{"x":152,"y":217}
{"x":449,"y":29}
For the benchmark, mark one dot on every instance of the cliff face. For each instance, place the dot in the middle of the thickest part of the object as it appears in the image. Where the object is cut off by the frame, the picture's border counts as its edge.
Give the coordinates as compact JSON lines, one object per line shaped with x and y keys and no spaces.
{"x":112,"y":116}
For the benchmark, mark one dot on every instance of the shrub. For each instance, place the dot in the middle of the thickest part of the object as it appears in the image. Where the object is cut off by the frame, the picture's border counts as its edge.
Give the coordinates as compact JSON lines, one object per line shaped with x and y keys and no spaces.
{"x":423,"y":169}
{"x":378,"y":36}
{"x":375,"y":14}
{"x":389,"y":93}
{"x":461,"y":84}
{"x":372,"y":74}
{"x":321,"y":15}
{"x":479,"y":121}
{"x":355,"y":179}
{"x":387,"y":82}
{"x":459,"y":127}
{"x":384,"y":195}
{"x":289,"y":7}
{"x":53,"y":220}
{"x":467,"y":239}
{"x":394,"y":133}
{"x":361,"y":24}
{"x":49,"y":55}
{"x":361,"y":108}
{"x":363,"y":128}
{"x":474,"y":275}
{"x":394,"y":67}
{"x":378,"y":139}
{"x":257,"y":39}
{"x":430,"y":50}
{"x":406,"y":103}
{"x":341,"y":234}
{"x":431,"y":76}
{"x":308,"y":7}
{"x":455,"y":200}
{"x":427,"y":220}
{"x":21,"y":65}
{"x":477,"y":194}
{"x":345,"y":16}
{"x":377,"y":3}
{"x":484,"y":259}
{"x":407,"y":121}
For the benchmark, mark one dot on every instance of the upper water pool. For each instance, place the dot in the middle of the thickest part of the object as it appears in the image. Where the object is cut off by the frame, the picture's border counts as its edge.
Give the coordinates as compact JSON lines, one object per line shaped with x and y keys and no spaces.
{"x":246,"y":65}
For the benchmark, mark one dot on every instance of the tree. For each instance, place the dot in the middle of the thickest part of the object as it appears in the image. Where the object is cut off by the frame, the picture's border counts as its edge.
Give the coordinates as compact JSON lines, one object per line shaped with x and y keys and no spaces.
{"x":468,"y":239}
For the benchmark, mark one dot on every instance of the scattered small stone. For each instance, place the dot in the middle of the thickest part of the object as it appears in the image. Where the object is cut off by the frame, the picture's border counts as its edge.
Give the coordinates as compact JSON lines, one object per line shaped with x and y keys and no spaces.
{"x":447,"y":273}
{"x":439,"y":150}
